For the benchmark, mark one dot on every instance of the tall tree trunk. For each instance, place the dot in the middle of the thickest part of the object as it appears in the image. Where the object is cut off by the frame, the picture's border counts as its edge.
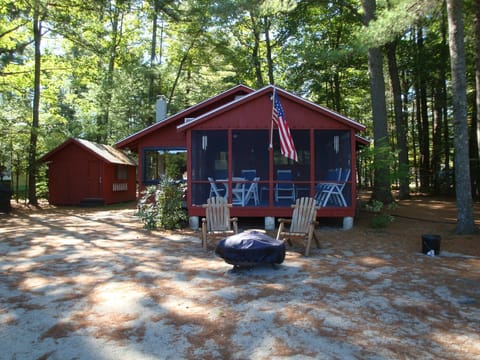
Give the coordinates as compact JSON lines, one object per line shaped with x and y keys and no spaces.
{"x":337,"y":96}
{"x":437,"y":134}
{"x":185,"y":57}
{"x":465,"y":219}
{"x":153,"y":52}
{"x":256,"y":52}
{"x":381,"y":185}
{"x":441,"y":132}
{"x":477,"y":98}
{"x":404,"y":183}
{"x":423,"y":116}
{"x":414,"y":132}
{"x":32,"y":153}
{"x":268,"y":46}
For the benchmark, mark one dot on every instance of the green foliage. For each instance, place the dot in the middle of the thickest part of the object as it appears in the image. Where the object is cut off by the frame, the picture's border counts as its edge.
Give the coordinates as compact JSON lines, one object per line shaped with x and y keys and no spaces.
{"x":175,"y":165}
{"x":147,"y":207}
{"x":162,"y":206}
{"x":101,"y":70}
{"x":381,"y":217}
{"x":381,"y":220}
{"x":171,"y":214}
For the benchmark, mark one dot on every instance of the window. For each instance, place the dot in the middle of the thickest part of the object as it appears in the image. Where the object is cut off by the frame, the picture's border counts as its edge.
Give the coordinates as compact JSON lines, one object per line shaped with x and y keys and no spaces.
{"x":121,"y":172}
{"x":160,"y":161}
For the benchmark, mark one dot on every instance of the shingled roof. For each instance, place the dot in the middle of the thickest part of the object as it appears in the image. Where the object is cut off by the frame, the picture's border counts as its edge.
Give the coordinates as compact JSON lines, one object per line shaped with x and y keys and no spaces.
{"x":105,"y":152}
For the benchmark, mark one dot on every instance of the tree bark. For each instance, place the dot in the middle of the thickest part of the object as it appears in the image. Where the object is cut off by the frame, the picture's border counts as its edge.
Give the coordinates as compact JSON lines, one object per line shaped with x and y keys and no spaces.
{"x":268,"y":46}
{"x":477,"y":97}
{"x":465,"y":219}
{"x":404,"y":182}
{"x":381,"y":186}
{"x":153,"y":53}
{"x":423,"y":124}
{"x":255,"y":52}
{"x":32,"y":153}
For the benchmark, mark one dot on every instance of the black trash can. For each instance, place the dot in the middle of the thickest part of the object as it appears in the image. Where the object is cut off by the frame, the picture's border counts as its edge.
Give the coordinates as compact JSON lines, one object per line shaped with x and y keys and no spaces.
{"x":431,"y":242}
{"x":5,"y":196}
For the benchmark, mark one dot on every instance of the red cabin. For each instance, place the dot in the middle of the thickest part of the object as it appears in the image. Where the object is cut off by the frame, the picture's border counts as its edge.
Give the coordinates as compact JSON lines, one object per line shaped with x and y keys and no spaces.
{"x":233,"y":151}
{"x":81,"y":172}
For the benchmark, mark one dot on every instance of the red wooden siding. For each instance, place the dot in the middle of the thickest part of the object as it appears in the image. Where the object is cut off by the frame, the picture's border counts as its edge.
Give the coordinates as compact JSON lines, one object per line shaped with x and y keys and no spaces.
{"x":253,"y":111}
{"x":76,"y":174}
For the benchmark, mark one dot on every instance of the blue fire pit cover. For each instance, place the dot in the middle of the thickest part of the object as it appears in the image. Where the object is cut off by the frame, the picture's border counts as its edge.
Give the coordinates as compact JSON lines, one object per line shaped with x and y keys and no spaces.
{"x":250,"y":248}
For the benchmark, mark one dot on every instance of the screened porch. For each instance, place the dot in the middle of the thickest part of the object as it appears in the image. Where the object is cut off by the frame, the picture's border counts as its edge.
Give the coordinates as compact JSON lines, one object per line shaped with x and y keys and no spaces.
{"x":238,"y":165}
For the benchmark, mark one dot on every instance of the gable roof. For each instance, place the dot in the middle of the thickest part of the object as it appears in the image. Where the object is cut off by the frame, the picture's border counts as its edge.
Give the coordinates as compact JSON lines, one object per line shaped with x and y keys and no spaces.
{"x":261,"y":92}
{"x":191,"y":112}
{"x":104,"y":152}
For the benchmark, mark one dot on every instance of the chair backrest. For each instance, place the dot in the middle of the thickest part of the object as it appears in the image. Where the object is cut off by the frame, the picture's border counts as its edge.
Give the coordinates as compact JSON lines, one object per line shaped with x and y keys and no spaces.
{"x":304,"y":212}
{"x":345,"y":177}
{"x":249,"y":174}
{"x":252,"y":187}
{"x":333,"y":174}
{"x":213,"y":187}
{"x":217,"y":214}
{"x":284,"y":175}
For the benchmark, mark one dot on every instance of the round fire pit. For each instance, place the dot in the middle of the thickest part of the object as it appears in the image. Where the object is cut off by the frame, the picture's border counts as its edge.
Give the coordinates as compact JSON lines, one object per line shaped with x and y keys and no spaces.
{"x":250,"y":248}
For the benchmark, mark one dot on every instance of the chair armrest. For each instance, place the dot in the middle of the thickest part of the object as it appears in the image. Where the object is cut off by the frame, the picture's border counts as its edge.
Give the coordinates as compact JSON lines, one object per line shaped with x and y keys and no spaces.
{"x":285,"y":221}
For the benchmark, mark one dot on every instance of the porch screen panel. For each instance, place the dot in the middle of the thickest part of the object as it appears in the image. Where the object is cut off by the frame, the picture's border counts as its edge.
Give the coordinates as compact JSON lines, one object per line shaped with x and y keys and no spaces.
{"x":250,"y":152}
{"x":333,"y":151}
{"x":209,"y":159}
{"x":300,"y":170}
{"x":250,"y":159}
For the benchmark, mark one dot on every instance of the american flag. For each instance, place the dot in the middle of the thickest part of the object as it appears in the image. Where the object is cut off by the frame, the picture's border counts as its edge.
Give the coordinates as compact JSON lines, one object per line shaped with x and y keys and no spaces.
{"x":286,"y":141}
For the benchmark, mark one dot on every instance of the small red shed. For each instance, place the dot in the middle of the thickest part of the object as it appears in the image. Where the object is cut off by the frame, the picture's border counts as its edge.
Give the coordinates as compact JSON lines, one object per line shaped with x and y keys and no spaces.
{"x":234,"y":151}
{"x":82,"y":172}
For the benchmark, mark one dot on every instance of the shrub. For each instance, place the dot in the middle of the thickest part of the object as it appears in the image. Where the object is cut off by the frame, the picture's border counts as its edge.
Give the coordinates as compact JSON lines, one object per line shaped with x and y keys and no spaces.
{"x":381,"y":217}
{"x":147,"y":207}
{"x":162,"y":206}
{"x":171,"y":213}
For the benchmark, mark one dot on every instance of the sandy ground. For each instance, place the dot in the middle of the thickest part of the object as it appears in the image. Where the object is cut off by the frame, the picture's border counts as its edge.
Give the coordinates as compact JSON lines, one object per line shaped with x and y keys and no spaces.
{"x":92,"y":284}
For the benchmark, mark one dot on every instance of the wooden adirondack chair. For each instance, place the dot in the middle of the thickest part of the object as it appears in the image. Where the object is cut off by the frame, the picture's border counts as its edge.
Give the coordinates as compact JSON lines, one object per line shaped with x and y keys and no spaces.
{"x":217,"y":219}
{"x":302,"y":223}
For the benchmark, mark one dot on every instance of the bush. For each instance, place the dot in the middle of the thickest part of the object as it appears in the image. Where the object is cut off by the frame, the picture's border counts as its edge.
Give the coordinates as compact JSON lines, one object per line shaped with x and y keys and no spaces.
{"x":381,"y":217}
{"x":162,"y":206}
{"x":381,"y":220}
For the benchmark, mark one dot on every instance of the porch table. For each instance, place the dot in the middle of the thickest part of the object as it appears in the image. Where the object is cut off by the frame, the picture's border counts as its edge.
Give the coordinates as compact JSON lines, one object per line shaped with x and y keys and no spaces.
{"x":238,"y":188}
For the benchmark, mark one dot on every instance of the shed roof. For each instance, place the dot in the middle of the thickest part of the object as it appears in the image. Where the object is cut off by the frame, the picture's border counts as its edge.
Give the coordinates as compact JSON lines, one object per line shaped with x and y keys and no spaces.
{"x":104,"y":152}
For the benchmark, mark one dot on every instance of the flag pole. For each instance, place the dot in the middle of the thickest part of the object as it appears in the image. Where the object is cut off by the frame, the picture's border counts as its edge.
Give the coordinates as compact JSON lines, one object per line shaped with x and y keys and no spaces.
{"x":270,"y":146}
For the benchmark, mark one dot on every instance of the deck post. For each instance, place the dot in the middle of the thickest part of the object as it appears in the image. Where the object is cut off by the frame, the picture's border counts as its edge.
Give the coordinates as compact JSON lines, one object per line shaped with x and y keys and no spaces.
{"x":193,"y":222}
{"x":269,"y":223}
{"x":347,"y":222}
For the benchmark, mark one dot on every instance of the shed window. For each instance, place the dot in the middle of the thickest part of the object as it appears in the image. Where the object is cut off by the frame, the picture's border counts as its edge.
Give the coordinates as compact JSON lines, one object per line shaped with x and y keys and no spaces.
{"x":121,"y":172}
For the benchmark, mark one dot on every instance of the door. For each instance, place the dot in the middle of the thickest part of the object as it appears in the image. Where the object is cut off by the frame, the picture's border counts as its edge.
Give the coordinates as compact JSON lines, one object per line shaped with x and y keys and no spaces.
{"x":94,"y":179}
